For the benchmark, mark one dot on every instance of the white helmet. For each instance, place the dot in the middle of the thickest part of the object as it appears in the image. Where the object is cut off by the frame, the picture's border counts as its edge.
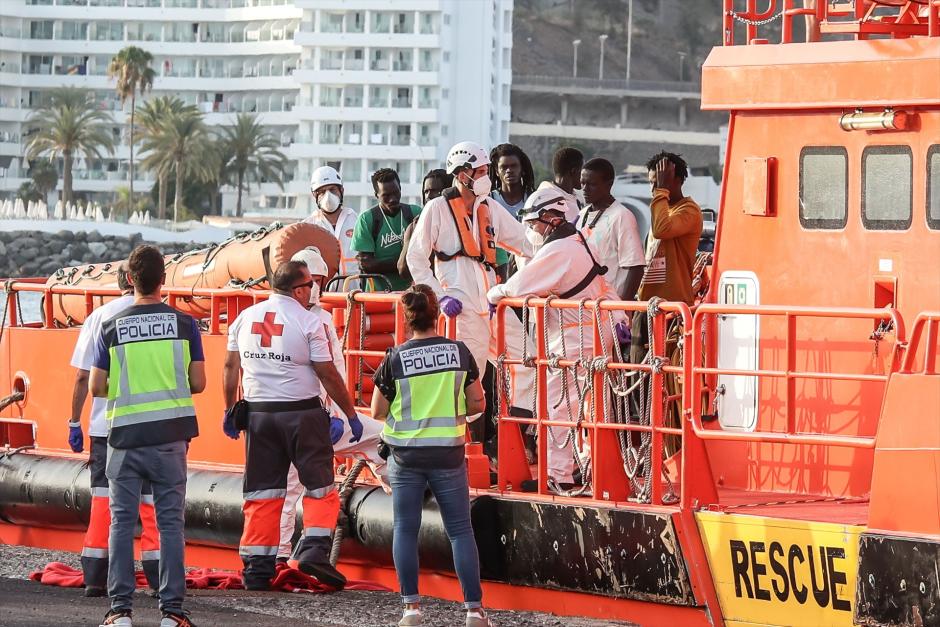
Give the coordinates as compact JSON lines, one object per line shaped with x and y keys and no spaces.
{"x":542,"y":200}
{"x":466,"y":154}
{"x":314,"y":260}
{"x":324,"y":175}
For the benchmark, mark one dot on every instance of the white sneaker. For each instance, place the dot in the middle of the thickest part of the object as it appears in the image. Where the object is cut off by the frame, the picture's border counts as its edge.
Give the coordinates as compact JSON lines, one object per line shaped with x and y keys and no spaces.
{"x":117,"y":618}
{"x":411,"y":618}
{"x":478,"y":619}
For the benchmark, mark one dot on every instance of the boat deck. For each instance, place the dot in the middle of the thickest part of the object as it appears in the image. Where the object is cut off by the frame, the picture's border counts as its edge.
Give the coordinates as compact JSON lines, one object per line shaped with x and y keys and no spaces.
{"x":832,"y":509}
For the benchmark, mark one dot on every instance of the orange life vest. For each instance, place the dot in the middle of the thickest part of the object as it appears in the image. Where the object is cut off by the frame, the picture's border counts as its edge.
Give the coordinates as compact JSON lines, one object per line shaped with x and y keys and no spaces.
{"x":464,"y":223}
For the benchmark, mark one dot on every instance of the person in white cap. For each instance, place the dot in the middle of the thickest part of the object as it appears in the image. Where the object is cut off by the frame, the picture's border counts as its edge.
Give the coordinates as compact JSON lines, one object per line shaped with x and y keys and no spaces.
{"x":326,"y":185}
{"x":367,"y":446}
{"x":565,"y":266}
{"x":461,"y":229}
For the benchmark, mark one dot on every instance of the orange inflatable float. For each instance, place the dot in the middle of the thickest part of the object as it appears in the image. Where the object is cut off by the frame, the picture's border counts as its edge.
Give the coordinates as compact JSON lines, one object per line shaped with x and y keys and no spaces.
{"x":243,"y":261}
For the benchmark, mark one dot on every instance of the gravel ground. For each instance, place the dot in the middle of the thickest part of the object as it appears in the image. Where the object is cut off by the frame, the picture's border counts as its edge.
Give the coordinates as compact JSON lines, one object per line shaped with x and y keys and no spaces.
{"x":28,"y":603}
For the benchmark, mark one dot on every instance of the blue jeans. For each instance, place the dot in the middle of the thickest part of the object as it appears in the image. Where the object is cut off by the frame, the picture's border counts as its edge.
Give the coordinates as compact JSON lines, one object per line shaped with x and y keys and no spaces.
{"x":165,"y":467}
{"x":451,"y":490}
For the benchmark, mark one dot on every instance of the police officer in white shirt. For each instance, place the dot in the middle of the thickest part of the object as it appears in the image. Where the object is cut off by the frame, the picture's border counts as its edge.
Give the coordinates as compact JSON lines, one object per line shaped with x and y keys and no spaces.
{"x":326,"y":185}
{"x":284,"y":356}
{"x":612,"y":229}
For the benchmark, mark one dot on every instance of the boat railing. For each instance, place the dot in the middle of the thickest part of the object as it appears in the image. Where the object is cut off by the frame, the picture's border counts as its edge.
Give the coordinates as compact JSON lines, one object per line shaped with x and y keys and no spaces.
{"x":926,"y":328}
{"x":896,"y":18}
{"x":603,"y":434}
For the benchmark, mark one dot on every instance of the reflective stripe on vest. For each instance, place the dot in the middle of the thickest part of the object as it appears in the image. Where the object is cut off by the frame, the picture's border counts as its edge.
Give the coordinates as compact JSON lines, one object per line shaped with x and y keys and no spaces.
{"x":144,"y":366}
{"x":428,"y":410}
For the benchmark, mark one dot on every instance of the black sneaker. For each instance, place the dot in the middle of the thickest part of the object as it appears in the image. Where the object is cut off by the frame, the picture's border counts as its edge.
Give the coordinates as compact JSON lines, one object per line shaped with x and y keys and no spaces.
{"x":324,"y":573}
{"x":94,"y":591}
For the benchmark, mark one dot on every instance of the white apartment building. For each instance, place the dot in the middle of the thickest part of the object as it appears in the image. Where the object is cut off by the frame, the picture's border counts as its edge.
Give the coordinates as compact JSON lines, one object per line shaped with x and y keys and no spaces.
{"x":395,"y":83}
{"x":358,"y":84}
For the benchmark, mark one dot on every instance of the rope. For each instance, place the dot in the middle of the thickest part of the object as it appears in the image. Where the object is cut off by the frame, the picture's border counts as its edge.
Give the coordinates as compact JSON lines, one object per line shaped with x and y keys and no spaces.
{"x":6,"y":401}
{"x":345,"y":489}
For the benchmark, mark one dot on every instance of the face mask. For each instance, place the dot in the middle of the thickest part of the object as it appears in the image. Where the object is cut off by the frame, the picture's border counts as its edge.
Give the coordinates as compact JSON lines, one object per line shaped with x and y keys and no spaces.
{"x":315,"y":294}
{"x":481,"y":186}
{"x":328,"y":202}
{"x":579,"y":194}
{"x":535,"y":238}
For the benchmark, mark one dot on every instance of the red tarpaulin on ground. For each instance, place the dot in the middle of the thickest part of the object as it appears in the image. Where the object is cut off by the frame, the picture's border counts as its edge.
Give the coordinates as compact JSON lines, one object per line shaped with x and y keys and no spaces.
{"x":286,"y":579}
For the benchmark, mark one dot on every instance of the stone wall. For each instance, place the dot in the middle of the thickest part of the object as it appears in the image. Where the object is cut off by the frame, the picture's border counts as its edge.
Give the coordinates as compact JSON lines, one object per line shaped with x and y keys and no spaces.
{"x":39,"y":254}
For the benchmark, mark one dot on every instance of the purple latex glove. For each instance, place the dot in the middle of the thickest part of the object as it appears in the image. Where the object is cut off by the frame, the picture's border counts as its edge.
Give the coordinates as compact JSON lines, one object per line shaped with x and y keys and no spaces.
{"x":228,"y":426}
{"x":492,"y":310}
{"x":623,"y":333}
{"x":451,"y":307}
{"x":76,"y":438}
{"x":355,"y":425}
{"x":336,"y":429}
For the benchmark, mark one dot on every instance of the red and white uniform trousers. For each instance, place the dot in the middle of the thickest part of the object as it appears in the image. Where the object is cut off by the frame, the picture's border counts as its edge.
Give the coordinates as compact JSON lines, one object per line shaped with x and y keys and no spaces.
{"x":95,"y":546}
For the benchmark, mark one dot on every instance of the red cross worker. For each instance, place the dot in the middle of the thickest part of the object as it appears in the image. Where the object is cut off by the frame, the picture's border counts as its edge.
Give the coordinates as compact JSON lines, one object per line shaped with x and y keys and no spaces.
{"x":280,"y":353}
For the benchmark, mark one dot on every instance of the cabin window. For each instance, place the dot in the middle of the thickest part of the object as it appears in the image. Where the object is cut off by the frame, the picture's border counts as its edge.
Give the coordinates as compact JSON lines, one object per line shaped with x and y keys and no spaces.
{"x":887,"y":187}
{"x":824,"y":180}
{"x":933,"y":187}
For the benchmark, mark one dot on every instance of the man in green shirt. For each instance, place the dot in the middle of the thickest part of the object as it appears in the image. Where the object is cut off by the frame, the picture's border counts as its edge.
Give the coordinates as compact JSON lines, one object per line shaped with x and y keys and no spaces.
{"x":377,"y":238}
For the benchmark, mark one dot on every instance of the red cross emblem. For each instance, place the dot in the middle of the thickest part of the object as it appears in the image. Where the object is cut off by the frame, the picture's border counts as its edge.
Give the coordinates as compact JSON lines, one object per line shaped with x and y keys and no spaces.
{"x":266,"y":329}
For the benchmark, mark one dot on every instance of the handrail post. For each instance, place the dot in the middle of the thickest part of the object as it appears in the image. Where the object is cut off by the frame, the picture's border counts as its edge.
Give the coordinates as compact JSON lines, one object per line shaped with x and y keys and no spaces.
{"x":541,"y":377}
{"x":11,"y":308}
{"x":48,"y":311}
{"x":658,"y":343}
{"x":789,"y":347}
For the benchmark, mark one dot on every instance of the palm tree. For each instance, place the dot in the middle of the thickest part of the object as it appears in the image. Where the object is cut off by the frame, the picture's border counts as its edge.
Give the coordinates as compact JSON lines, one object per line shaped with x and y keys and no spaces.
{"x":69,"y":123}
{"x":255,"y":154}
{"x":45,"y":176}
{"x":131,"y":67}
{"x":180,"y":144}
{"x":153,"y":114}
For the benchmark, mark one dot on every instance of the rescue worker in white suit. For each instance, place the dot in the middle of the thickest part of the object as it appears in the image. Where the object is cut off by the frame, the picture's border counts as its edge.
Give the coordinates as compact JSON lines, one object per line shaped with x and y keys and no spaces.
{"x":461,"y":229}
{"x":340,"y":434}
{"x":566,"y":266}
{"x":326,"y":185}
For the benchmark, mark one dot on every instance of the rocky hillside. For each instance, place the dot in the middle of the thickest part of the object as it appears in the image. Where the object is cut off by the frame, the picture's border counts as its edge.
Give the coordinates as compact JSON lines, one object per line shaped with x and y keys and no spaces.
{"x":662,"y":29}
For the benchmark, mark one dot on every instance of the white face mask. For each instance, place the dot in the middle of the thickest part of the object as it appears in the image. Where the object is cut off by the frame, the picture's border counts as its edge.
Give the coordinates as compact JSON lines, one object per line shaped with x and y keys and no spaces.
{"x":481,"y":186}
{"x":535,"y":238}
{"x":315,"y":294}
{"x":328,"y":202}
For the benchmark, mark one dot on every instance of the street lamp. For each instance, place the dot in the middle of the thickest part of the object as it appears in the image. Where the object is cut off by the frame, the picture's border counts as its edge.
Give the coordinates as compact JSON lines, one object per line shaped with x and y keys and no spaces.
{"x":682,"y":56}
{"x":629,"y":38}
{"x":600,"y":69}
{"x":574,"y":69}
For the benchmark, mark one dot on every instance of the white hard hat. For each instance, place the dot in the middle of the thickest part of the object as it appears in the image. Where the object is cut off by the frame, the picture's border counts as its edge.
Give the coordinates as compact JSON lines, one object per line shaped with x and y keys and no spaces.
{"x":466,"y":154}
{"x":324,"y":175}
{"x":314,"y":260}
{"x":542,"y":200}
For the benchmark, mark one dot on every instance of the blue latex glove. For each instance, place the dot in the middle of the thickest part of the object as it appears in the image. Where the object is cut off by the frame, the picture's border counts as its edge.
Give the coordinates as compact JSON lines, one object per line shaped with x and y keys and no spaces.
{"x":451,"y":307}
{"x":336,"y":429}
{"x":492,"y":310}
{"x":76,"y":439}
{"x":355,"y":425}
{"x":623,"y":333}
{"x":228,"y":426}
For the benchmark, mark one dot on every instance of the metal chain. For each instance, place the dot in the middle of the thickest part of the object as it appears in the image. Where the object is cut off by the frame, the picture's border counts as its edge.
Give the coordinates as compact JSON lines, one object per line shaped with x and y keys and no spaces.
{"x":738,"y":17}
